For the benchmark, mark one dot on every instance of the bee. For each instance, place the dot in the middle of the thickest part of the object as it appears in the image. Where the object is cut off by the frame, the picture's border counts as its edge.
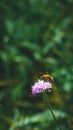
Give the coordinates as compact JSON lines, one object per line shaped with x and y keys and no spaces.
{"x":47,"y":77}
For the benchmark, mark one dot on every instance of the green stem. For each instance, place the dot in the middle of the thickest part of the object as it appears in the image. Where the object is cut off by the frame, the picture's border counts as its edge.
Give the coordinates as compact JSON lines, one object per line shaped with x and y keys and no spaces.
{"x":45,"y":97}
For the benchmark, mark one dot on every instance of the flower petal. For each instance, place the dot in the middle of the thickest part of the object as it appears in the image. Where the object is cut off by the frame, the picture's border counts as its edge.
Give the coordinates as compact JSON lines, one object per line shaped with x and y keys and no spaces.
{"x":40,"y":86}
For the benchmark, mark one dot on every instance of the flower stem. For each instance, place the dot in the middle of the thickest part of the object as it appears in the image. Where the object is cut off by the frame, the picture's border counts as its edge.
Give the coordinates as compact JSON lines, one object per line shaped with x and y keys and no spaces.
{"x":45,"y":97}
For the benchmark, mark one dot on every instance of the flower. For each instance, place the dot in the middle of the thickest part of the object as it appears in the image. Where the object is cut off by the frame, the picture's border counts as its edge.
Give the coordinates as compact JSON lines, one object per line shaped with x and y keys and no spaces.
{"x":40,"y":86}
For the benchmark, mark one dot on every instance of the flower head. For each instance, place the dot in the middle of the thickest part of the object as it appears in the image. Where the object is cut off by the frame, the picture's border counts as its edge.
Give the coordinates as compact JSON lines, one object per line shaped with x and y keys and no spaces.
{"x":41,"y":86}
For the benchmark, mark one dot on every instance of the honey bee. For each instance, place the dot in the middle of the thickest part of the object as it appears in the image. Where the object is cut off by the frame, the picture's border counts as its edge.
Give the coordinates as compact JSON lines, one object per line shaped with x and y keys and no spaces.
{"x":47,"y":77}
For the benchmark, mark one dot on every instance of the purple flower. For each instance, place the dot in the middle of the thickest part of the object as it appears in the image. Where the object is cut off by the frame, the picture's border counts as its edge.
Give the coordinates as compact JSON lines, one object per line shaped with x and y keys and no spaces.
{"x":41,"y":86}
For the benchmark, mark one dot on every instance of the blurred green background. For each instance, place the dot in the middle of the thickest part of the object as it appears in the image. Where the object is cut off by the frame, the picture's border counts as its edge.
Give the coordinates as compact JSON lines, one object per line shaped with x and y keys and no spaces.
{"x":36,"y":36}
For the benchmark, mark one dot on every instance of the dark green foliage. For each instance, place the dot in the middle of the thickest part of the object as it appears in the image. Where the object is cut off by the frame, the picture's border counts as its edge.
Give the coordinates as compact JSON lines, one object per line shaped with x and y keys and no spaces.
{"x":36,"y":36}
